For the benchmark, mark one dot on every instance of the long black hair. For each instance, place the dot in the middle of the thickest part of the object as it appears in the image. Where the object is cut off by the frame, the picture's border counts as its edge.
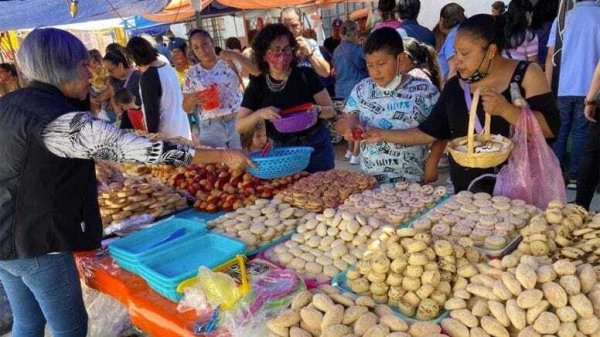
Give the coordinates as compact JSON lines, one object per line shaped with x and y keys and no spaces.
{"x":516,"y":27}
{"x":263,"y":40}
{"x":424,"y":57}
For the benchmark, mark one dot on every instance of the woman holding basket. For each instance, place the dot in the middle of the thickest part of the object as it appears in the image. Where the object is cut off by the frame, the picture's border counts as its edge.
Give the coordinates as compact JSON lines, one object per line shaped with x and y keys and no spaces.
{"x":480,"y":66}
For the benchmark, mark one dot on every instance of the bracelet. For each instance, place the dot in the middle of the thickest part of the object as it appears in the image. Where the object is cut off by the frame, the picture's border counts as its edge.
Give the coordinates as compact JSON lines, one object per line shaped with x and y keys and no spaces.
{"x":589,"y":103}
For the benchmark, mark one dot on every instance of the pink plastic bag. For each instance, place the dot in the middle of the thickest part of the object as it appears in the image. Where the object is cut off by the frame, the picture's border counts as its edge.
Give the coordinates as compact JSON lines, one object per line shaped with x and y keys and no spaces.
{"x":533,"y":172}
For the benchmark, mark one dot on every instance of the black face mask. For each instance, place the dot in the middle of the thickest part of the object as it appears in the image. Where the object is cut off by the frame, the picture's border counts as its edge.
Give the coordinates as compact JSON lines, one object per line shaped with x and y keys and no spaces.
{"x":478,"y":75}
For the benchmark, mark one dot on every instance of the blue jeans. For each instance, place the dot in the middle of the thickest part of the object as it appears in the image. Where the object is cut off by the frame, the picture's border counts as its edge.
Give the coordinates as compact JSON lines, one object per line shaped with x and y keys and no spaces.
{"x":323,"y":157}
{"x":574,"y":124}
{"x":45,"y":289}
{"x":216,"y":133}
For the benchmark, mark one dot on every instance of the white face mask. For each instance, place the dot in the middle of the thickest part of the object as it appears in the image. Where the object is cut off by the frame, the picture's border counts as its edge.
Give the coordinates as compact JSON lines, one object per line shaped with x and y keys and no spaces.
{"x":393,"y":83}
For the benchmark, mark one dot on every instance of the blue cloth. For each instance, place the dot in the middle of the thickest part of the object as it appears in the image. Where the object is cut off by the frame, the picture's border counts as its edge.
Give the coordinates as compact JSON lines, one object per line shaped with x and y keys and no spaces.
{"x":219,"y":134}
{"x":580,"y":49}
{"x":447,"y":52}
{"x":350,"y":67}
{"x":44,"y":289}
{"x":323,"y":157}
{"x":411,"y":28}
{"x":572,"y":122}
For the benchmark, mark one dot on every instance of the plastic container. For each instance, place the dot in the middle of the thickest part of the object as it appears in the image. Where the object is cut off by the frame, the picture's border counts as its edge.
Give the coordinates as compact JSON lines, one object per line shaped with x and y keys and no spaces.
{"x":296,"y":122}
{"x":128,"y":251}
{"x":281,"y":162}
{"x":194,"y":215}
{"x":339,"y":281}
{"x":170,"y":266}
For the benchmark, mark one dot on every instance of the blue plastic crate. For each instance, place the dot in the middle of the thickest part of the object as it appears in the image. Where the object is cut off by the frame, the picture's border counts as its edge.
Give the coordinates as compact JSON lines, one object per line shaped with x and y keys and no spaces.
{"x":145,"y":242}
{"x":170,"y":266}
{"x":280,"y":162}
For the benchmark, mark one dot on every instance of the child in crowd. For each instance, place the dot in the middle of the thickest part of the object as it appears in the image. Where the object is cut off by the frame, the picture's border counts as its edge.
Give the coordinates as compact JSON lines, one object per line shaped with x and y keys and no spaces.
{"x":256,"y":139}
{"x":389,"y":100}
{"x":133,"y":114}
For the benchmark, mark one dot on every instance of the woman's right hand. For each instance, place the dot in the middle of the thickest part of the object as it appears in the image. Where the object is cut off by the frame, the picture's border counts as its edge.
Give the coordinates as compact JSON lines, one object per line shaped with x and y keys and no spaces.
{"x":269,"y":113}
{"x":237,"y":159}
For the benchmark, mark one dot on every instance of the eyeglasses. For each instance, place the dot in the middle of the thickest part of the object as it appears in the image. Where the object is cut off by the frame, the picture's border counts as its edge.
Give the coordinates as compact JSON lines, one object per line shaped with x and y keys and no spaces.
{"x":286,"y":50}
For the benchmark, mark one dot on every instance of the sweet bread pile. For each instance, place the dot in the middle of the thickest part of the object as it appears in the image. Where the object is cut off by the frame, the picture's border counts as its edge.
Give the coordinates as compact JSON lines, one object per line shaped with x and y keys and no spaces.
{"x":137,"y":197}
{"x":413,"y":272}
{"x":328,"y":189}
{"x":485,"y":221}
{"x":394,"y":204}
{"x":261,"y":223}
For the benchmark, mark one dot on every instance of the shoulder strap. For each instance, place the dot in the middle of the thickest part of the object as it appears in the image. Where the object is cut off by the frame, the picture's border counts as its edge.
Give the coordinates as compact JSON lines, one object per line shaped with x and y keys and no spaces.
{"x":519,"y":72}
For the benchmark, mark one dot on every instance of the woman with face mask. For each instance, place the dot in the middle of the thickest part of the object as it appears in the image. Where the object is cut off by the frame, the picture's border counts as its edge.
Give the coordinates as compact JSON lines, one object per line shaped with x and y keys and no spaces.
{"x":480,"y":65}
{"x":283,"y":85}
{"x":389,"y":100}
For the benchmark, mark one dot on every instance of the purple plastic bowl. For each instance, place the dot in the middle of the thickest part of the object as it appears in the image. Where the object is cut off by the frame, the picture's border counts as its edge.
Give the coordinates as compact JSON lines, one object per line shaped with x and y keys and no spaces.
{"x":296,"y":122}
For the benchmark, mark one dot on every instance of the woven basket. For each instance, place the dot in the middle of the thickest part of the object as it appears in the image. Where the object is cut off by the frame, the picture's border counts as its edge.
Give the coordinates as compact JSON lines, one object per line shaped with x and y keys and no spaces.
{"x":478,"y":160}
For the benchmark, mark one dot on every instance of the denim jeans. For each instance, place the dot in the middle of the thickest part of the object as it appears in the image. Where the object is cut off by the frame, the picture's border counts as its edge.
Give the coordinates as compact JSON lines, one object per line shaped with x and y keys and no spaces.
{"x":221,"y":134}
{"x":45,"y":289}
{"x":574,"y":124}
{"x":323,"y":157}
{"x":589,"y":172}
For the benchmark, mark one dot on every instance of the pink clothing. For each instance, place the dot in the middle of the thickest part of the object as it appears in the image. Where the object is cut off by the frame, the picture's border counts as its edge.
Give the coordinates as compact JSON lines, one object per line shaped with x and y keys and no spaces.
{"x":392,"y":24}
{"x":527,"y":49}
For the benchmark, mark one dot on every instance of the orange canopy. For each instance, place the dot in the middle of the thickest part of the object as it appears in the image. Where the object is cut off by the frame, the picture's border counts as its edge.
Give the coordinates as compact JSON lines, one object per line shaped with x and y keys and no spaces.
{"x":177,"y":10}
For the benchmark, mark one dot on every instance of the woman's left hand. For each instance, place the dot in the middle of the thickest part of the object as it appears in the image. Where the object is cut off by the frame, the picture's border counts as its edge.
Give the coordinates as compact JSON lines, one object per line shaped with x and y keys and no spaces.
{"x":494,"y":103}
{"x":374,"y":135}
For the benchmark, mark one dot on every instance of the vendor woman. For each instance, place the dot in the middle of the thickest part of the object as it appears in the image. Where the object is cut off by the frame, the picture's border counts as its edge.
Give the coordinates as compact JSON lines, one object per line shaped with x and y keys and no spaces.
{"x":480,"y":65}
{"x":48,"y":184}
{"x":283,"y":85}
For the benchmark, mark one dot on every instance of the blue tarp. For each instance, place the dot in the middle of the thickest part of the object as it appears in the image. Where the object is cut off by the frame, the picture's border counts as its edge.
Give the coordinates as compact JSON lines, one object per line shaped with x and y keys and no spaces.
{"x":23,"y":14}
{"x":138,"y":25}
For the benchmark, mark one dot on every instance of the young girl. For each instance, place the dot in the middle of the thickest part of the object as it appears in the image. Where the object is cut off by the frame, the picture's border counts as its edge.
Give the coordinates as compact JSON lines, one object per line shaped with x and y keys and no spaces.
{"x":389,"y":100}
{"x":256,"y":139}
{"x":125,"y":101}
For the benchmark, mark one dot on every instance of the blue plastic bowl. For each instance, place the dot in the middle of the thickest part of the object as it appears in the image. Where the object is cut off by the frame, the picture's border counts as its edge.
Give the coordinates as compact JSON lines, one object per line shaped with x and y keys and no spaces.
{"x":281,"y":162}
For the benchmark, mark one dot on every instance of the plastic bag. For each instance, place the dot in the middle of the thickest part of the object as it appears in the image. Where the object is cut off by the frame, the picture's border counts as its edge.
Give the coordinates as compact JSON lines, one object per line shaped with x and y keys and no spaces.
{"x":107,"y":317}
{"x":533,"y":172}
{"x":211,"y":289}
{"x":270,"y":294}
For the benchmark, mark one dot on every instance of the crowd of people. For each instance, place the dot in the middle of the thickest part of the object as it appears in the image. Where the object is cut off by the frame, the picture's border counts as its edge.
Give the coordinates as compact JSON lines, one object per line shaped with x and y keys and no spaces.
{"x":406,"y":89}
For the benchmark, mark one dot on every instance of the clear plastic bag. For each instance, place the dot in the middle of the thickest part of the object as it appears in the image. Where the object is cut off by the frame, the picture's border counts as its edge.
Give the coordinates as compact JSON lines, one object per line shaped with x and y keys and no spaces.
{"x":533,"y":172}
{"x":270,"y":294}
{"x":210,"y":290}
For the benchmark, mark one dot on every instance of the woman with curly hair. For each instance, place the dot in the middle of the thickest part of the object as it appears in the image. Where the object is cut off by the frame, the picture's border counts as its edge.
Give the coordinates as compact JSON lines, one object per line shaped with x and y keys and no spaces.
{"x":283,"y":85}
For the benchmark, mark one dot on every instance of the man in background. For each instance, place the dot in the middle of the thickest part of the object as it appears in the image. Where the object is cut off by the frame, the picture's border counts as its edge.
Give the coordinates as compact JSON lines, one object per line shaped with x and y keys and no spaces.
{"x":408,"y":11}
{"x":334,"y":40}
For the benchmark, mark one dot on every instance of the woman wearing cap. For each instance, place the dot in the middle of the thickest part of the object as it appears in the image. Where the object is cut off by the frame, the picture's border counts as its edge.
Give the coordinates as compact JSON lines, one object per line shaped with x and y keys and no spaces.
{"x":48,"y":182}
{"x":335,"y":39}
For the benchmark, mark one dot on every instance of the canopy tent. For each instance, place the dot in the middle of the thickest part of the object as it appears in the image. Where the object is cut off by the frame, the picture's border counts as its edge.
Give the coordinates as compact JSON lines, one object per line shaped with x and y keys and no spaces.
{"x":138,"y":25}
{"x":178,"y":10}
{"x":264,"y":4}
{"x":23,"y":14}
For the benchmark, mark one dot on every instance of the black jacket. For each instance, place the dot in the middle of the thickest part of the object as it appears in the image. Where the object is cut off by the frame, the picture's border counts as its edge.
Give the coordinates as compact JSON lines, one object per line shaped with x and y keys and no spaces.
{"x":47,"y":203}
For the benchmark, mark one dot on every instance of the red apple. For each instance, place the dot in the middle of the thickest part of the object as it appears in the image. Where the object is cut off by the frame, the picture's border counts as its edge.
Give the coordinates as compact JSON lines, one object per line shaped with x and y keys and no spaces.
{"x":211,"y":208}
{"x":212,"y":199}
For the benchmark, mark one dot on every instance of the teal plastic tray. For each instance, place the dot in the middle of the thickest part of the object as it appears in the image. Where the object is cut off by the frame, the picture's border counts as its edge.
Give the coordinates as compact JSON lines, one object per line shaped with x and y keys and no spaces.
{"x":339,"y":281}
{"x":172,"y":265}
{"x":147,"y":241}
{"x":192,"y":214}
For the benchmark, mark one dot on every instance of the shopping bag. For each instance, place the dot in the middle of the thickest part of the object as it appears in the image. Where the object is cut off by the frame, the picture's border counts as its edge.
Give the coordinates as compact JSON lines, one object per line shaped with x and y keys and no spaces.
{"x":533,"y":172}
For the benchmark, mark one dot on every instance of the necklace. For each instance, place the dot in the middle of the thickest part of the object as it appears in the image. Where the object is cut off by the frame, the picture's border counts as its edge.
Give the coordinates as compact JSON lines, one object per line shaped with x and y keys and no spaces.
{"x":274,"y":86}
